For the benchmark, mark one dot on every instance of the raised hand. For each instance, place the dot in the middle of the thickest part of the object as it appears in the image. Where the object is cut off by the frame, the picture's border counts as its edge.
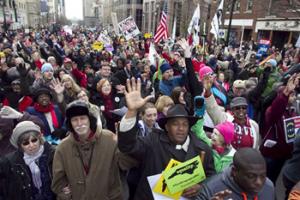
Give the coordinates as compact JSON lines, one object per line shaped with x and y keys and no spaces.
{"x":207,"y":84}
{"x":133,"y":97}
{"x":10,"y":113}
{"x":57,"y":86}
{"x":186,"y":47}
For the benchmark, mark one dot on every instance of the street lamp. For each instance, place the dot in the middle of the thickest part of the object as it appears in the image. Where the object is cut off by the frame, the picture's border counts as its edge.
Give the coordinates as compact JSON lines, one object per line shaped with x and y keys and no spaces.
{"x":2,"y":4}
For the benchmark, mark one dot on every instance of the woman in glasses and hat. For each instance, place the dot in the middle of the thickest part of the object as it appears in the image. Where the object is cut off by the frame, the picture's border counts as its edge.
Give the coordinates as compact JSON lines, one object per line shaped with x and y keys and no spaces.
{"x":27,"y":171}
{"x":246,"y":131}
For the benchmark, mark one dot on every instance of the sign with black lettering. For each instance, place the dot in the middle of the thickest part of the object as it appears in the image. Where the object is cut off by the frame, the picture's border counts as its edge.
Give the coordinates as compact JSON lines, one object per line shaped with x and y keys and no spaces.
{"x":291,"y":128}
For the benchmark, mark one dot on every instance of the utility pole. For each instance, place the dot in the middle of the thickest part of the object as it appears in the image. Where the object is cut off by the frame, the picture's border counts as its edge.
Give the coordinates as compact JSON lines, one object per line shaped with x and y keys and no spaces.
{"x":2,"y":2}
{"x":230,"y":20}
{"x":15,"y":10}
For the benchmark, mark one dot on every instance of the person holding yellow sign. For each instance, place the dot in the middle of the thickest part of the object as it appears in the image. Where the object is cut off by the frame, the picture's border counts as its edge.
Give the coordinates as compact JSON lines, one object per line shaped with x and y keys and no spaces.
{"x":174,"y":141}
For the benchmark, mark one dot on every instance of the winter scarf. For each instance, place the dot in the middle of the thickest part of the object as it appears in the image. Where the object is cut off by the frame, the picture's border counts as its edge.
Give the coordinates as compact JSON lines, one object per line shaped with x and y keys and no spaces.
{"x":46,"y":109}
{"x":30,"y":161}
{"x":109,"y":104}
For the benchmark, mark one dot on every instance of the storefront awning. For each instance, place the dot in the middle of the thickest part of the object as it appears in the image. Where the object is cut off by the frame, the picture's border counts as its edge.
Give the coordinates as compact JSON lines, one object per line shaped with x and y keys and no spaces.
{"x":278,"y":25}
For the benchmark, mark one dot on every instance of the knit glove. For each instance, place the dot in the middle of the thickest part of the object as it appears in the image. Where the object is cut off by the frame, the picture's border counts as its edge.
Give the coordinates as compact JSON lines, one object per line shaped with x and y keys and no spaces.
{"x":9,"y":113}
{"x":199,"y":106}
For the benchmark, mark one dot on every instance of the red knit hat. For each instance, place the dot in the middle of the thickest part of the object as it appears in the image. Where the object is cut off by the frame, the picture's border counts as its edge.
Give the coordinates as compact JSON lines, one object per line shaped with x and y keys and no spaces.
{"x":227,"y":130}
{"x":205,"y":71}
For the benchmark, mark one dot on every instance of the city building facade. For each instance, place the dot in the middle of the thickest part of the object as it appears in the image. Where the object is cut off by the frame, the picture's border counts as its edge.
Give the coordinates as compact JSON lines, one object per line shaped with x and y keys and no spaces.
{"x":30,"y":13}
{"x":93,"y":12}
{"x":277,"y":21}
{"x":179,"y":10}
{"x":126,"y":8}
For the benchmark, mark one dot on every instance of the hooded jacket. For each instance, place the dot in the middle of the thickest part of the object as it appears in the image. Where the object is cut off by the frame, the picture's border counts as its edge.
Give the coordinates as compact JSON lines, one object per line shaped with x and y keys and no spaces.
{"x":103,"y":179}
{"x":224,"y":181}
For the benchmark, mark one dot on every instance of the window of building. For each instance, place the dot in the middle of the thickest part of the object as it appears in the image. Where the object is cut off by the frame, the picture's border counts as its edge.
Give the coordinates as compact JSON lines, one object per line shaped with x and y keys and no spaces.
{"x":139,"y":1}
{"x":146,"y":23}
{"x":249,"y":5}
{"x":128,"y":12}
{"x":146,"y":7}
{"x":128,"y":1}
{"x":237,"y":6}
{"x":153,"y":20}
{"x":139,"y":17}
{"x":152,"y":6}
{"x":227,"y":6}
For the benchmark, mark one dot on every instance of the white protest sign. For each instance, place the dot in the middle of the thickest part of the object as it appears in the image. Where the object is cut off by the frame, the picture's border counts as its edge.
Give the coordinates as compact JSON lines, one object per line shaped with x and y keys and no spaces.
{"x":104,"y":38}
{"x":129,"y":28}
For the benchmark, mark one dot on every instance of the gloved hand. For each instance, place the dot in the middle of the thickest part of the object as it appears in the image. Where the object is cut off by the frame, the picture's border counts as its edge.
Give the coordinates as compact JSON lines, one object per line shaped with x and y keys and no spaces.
{"x":10,"y":113}
{"x":199,"y":106}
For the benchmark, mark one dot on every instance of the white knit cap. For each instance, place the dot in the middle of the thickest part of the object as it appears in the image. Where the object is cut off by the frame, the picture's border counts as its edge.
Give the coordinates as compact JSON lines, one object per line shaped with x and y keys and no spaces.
{"x":20,"y":129}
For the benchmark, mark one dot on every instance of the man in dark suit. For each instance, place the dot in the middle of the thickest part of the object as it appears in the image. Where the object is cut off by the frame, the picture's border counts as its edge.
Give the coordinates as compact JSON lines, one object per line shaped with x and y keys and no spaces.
{"x":155,"y":150}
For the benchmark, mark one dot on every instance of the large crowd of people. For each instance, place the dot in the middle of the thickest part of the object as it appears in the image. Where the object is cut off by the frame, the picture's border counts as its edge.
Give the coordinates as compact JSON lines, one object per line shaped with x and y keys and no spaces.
{"x":85,"y":123}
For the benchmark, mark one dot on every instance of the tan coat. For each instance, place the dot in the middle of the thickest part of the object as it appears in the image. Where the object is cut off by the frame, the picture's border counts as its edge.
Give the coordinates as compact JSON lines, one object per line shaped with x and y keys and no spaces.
{"x":103,"y":180}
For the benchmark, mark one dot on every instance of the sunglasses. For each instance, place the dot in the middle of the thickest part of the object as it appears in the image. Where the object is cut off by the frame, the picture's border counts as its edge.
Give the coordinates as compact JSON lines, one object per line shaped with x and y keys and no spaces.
{"x":240,"y":107}
{"x":33,"y":140}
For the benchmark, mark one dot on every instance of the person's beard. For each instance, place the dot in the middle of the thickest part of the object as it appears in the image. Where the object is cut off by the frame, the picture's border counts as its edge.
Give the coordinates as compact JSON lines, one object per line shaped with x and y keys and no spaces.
{"x":82,"y":130}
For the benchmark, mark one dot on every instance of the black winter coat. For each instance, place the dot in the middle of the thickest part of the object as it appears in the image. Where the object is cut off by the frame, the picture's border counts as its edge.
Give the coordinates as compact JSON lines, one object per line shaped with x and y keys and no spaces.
{"x":18,"y":179}
{"x":154,"y":153}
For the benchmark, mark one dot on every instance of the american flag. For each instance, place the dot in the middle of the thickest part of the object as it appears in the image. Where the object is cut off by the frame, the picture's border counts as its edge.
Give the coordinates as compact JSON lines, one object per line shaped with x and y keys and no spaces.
{"x":162,"y":29}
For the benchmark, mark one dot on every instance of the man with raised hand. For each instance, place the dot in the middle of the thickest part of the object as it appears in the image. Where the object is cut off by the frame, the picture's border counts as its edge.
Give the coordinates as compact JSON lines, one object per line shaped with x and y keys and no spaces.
{"x":156,"y":149}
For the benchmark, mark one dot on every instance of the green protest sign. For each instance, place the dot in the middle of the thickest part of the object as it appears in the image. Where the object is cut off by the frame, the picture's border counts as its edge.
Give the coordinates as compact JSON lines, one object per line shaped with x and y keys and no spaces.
{"x":184,"y":175}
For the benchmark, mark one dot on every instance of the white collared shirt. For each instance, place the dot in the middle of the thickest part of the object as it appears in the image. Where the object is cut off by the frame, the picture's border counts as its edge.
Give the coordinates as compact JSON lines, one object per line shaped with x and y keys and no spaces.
{"x":185,"y":145}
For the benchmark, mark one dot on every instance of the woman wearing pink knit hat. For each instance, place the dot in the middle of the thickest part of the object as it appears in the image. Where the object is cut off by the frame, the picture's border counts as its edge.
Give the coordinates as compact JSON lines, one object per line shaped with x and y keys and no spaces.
{"x":220,"y":142}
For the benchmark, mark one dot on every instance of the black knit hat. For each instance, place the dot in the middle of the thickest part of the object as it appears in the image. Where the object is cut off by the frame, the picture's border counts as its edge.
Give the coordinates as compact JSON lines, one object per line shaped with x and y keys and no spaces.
{"x":41,"y":91}
{"x":77,"y":108}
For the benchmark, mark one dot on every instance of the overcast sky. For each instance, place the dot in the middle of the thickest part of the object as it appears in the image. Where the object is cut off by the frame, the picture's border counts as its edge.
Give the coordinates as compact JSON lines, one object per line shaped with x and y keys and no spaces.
{"x":74,"y":9}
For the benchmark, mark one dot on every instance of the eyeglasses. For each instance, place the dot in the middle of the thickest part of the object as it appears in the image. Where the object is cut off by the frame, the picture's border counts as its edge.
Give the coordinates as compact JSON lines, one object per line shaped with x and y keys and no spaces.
{"x":240,"y":107}
{"x":33,"y":140}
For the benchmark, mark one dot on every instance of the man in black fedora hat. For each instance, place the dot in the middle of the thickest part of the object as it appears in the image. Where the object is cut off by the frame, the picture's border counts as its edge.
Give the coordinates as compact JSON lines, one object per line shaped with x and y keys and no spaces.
{"x":156,"y":149}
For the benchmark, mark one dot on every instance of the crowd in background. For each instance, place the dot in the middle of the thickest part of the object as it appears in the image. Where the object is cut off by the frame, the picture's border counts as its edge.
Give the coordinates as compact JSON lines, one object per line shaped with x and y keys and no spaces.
{"x":239,"y":100}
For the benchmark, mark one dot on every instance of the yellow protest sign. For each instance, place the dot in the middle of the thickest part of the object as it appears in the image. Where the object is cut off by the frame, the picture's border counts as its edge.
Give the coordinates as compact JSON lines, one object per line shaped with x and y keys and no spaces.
{"x":161,"y":186}
{"x":184,"y":175}
{"x":97,"y":46}
{"x":147,"y":35}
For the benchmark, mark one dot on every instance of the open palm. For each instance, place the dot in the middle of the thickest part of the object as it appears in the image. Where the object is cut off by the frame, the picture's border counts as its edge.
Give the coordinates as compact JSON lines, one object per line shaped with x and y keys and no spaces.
{"x":133,"y":96}
{"x":57,"y":86}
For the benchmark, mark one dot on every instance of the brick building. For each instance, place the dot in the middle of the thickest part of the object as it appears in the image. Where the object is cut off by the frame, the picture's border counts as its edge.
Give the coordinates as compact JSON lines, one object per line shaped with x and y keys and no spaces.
{"x":126,"y":8}
{"x":278,"y":21}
